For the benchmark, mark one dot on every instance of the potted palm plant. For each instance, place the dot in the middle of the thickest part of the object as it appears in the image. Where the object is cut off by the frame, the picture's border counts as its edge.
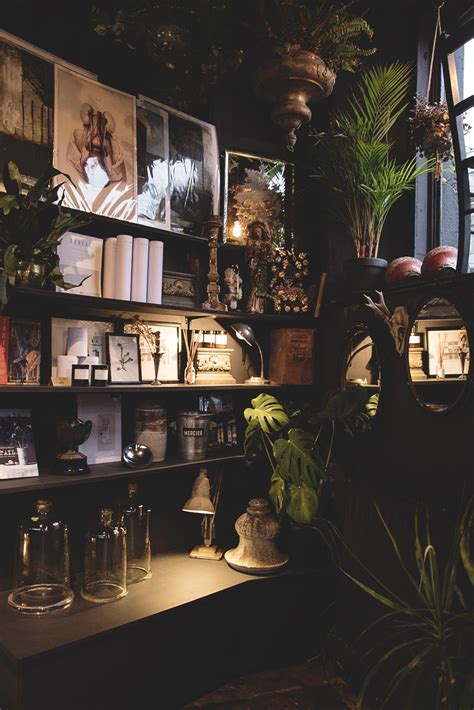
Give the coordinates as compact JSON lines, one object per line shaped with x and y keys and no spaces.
{"x":307,"y":42}
{"x":356,"y":161}
{"x":31,"y":227}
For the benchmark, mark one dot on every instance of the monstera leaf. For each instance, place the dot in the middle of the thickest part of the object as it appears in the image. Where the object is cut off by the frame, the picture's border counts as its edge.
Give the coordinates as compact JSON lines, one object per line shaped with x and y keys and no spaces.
{"x":297,"y":462}
{"x":253,"y":444}
{"x":277,"y":492}
{"x":303,"y":503}
{"x":268,"y":412}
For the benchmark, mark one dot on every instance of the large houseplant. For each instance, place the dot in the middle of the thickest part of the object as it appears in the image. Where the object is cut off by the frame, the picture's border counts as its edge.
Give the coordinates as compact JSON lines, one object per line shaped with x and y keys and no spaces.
{"x":31,"y":227}
{"x":356,"y":161}
{"x":306,"y":42}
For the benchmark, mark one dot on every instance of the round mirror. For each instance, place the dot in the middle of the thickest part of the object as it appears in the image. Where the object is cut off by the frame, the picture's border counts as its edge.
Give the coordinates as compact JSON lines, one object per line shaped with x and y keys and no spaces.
{"x":438,"y":355}
{"x":361,"y":366}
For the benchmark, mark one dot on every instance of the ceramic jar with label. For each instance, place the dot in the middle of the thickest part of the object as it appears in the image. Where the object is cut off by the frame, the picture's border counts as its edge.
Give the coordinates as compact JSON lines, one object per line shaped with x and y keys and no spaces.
{"x":151,"y":428}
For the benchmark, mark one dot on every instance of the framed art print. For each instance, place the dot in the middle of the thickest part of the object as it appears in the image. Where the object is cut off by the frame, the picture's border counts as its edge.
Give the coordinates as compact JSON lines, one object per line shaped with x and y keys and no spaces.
{"x":94,"y":143}
{"x":153,"y":195}
{"x":448,"y":351}
{"x":123,"y":355}
{"x":170,"y":347}
{"x":105,"y":412}
{"x":24,"y":352}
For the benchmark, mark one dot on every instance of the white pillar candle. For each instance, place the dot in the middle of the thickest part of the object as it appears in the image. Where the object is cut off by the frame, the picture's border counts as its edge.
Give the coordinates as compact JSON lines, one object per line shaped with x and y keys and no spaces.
{"x":140,"y":269}
{"x":65,"y":363}
{"x":110,"y":249}
{"x":123,"y":267}
{"x":155,"y":272}
{"x":89,"y":360}
{"x":76,"y":343}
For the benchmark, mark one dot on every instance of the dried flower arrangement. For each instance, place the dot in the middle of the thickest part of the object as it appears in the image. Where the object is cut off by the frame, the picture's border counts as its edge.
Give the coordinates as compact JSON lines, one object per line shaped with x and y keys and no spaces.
{"x":431,"y":131}
{"x":256,"y":201}
{"x":289,"y":269}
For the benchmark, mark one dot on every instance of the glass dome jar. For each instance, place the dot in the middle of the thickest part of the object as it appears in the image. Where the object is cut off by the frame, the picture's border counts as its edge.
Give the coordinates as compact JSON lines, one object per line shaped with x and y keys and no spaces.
{"x":42,"y":576}
{"x":151,"y":428}
{"x":136,"y":520}
{"x":105,"y":564}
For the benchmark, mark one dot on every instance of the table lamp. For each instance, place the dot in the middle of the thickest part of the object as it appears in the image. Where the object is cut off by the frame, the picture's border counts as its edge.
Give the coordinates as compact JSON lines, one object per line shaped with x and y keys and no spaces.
{"x":201,"y":502}
{"x":244,"y":332}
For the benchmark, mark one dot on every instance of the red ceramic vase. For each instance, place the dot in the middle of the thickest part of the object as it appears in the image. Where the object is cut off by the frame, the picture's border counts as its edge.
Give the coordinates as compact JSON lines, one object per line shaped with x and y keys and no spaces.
{"x":399,"y":270}
{"x":441,"y":260}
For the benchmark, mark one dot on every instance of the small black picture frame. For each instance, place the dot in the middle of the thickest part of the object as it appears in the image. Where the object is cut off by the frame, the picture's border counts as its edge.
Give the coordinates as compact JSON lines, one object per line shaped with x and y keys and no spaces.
{"x":123,"y":359}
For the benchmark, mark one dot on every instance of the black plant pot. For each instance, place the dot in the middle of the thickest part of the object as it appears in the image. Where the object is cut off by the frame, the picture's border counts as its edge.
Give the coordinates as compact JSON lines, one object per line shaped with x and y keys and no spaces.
{"x":364,"y":274}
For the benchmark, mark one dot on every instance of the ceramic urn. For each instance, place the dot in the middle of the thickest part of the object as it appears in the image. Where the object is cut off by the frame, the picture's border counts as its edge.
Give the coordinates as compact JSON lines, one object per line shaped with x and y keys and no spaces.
{"x":257,"y":552}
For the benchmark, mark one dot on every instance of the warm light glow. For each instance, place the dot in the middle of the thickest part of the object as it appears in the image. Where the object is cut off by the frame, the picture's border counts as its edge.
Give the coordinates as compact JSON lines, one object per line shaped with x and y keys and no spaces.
{"x":237,"y":230}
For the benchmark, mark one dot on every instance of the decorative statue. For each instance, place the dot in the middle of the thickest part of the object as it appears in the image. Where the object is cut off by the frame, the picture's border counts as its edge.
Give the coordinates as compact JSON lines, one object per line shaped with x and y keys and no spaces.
{"x":259,"y":255}
{"x":233,"y":282}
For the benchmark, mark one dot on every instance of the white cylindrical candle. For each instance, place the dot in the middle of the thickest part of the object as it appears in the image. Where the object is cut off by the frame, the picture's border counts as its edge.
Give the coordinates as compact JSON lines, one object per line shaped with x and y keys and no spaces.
{"x":155,"y":272}
{"x":123,"y":267}
{"x":89,"y":360}
{"x":108,"y":285}
{"x":65,"y":363}
{"x":140,"y":269}
{"x":76,"y":343}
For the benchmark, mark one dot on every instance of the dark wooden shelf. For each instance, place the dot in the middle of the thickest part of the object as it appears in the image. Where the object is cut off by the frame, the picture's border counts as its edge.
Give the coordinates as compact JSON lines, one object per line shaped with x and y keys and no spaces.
{"x":140,"y":389}
{"x":37,"y":301}
{"x":109,"y":472}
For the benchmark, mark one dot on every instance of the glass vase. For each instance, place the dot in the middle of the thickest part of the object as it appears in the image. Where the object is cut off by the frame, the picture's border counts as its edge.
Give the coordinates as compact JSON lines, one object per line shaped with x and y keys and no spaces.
{"x":136,"y":520}
{"x":105,"y":564}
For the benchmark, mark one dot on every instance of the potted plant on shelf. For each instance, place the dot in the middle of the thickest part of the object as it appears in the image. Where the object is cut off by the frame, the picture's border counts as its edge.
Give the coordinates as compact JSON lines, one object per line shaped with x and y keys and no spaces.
{"x":31,"y":227}
{"x":307,"y":42}
{"x":356,"y":161}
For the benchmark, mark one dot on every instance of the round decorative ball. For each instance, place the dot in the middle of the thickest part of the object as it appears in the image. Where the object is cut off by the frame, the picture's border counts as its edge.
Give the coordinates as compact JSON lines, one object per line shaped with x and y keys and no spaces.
{"x":440,"y":260}
{"x":137,"y":456}
{"x":399,"y":270}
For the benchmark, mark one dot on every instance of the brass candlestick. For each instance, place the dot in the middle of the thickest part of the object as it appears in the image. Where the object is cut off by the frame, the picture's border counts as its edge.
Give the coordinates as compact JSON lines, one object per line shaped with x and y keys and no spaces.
{"x":213,"y":302}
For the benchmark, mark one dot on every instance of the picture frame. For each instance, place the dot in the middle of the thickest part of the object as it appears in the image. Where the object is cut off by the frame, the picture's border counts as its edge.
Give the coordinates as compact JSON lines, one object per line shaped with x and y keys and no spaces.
{"x":123,"y":356}
{"x":444,"y":345}
{"x":27,"y":105}
{"x":24,"y":352}
{"x":81,"y":256}
{"x":257,"y":188}
{"x":170,"y":345}
{"x":17,"y":446}
{"x":189,"y":190}
{"x":104,"y":444}
{"x":104,"y":182}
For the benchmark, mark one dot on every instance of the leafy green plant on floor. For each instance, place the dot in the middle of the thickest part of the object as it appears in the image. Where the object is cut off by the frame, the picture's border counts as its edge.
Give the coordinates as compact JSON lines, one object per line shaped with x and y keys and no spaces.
{"x":299,"y":445}
{"x":428,"y":634}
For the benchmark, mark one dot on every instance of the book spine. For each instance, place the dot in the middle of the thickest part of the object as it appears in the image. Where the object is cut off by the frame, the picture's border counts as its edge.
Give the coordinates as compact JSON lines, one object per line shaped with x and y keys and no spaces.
{"x":140,"y":269}
{"x":4,"y":340}
{"x":155,"y":272}
{"x":123,"y":267}
{"x":110,"y":250}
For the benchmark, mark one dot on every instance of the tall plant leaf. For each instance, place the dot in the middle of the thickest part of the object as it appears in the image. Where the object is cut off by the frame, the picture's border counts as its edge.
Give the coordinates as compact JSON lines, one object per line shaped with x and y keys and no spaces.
{"x":296,"y":459}
{"x":302,"y":503}
{"x":269,"y":413}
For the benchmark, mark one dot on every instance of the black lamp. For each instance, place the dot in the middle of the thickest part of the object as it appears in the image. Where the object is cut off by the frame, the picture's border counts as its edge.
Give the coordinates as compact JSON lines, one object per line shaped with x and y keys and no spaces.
{"x":244,"y":332}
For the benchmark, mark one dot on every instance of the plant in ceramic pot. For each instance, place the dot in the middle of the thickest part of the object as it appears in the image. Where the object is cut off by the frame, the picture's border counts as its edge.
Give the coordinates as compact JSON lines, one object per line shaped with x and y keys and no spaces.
{"x":31,"y":227}
{"x":356,"y":160}
{"x":307,"y":42}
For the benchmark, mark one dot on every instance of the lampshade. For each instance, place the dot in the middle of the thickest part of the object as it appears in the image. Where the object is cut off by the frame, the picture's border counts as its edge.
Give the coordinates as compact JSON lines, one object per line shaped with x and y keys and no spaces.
{"x":244,"y":332}
{"x":200,"y":501}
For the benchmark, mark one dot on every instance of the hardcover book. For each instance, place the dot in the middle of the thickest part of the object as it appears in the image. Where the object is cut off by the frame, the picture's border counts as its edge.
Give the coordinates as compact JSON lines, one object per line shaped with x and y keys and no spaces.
{"x":4,"y":342}
{"x":17,"y":448}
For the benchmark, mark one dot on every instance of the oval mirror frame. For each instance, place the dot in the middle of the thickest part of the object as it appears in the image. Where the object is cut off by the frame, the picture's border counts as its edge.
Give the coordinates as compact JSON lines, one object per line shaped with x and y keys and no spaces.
{"x":356,"y":354}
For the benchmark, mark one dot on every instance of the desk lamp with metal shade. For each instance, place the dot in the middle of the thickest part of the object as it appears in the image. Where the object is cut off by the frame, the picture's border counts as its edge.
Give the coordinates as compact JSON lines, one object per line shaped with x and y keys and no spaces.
{"x":202,"y":503}
{"x":244,"y":332}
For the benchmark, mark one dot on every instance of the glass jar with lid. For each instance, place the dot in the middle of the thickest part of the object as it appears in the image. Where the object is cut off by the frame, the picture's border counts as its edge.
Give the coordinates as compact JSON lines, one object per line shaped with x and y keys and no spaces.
{"x":42,"y":568}
{"x":135,"y":519}
{"x":105,"y":563}
{"x":151,"y":428}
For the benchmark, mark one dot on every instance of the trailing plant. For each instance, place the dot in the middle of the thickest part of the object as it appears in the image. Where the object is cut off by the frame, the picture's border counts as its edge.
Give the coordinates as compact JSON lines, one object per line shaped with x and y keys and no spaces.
{"x":31,"y":227}
{"x":356,"y":158}
{"x":428,"y":631}
{"x":299,"y":445}
{"x":325,"y":28}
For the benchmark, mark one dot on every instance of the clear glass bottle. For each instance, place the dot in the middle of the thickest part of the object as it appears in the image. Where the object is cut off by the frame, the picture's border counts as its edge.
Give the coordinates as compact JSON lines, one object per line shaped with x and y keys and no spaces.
{"x":105,"y":564}
{"x":151,"y":428}
{"x":42,"y":577}
{"x":136,"y":521}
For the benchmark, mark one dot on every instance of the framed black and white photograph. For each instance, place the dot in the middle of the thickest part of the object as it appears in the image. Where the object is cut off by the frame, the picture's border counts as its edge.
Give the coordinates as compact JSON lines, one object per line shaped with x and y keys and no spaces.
{"x":17,"y":447}
{"x":94,"y":143}
{"x":448,"y":351}
{"x":24,"y":352}
{"x":123,"y":354}
{"x":169,"y":346}
{"x":27,"y":106}
{"x":153,"y":196}
{"x":190,"y":153}
{"x":257,"y":189}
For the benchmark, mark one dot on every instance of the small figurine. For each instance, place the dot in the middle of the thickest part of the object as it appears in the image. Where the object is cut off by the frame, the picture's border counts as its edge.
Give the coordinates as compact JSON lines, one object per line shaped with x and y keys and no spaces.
{"x":259,"y":254}
{"x":233,"y":282}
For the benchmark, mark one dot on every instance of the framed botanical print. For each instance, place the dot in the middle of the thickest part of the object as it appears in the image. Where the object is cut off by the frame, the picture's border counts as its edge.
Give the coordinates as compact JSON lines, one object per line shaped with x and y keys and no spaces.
{"x":170,"y":347}
{"x":257,"y":189}
{"x":123,"y":355}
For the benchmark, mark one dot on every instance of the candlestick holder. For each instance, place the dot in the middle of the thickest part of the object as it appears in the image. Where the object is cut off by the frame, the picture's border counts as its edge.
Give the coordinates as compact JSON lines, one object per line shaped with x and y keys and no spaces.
{"x":213,"y":302}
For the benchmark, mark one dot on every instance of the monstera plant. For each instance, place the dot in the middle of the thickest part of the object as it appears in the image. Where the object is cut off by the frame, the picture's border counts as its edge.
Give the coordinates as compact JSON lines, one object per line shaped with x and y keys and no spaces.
{"x":299,"y":445}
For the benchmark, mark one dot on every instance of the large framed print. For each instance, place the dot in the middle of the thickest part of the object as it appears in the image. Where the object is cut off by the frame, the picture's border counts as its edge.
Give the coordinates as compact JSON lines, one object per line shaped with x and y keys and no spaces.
{"x":448,"y":351}
{"x":17,"y":447}
{"x":123,"y":356}
{"x":80,"y":261}
{"x":188,"y":148}
{"x":257,"y":189}
{"x":27,"y":106}
{"x":94,"y":143}
{"x":170,"y":348}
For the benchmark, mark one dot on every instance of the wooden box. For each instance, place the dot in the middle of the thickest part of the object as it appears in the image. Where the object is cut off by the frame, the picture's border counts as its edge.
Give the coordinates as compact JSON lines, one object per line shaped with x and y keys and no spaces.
{"x":292,"y":356}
